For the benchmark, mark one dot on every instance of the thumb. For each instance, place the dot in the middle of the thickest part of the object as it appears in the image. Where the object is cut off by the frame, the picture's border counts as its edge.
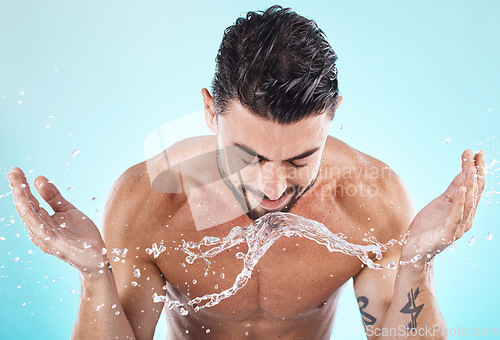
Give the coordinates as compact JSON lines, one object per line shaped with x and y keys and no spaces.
{"x":51,"y":195}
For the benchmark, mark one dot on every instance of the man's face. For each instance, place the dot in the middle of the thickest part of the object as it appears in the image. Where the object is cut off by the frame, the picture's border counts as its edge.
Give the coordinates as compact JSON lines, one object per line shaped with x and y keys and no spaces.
{"x":268,"y":166}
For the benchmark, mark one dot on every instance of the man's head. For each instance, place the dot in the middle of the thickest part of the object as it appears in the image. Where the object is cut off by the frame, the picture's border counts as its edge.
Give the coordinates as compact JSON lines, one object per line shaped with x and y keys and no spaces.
{"x":278,"y":65}
{"x":275,"y":94}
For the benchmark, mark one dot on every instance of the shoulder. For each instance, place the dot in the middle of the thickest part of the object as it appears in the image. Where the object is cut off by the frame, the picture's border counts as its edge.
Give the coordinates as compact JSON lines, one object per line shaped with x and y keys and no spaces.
{"x":152,"y":191}
{"x":367,"y":187}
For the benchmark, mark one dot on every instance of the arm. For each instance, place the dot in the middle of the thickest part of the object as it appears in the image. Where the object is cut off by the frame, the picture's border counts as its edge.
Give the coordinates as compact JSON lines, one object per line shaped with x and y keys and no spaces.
{"x":137,"y":277}
{"x":69,"y":235}
{"x":72,"y":237}
{"x":407,"y":305}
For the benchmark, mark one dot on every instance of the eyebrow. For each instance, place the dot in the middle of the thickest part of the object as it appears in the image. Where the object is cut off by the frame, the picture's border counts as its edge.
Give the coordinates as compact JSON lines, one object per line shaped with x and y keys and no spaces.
{"x":255,"y":154}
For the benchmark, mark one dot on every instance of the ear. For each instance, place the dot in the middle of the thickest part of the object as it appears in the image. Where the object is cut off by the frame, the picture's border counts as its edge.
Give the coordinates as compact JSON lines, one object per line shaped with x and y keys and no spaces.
{"x":339,"y":102}
{"x":208,"y":107}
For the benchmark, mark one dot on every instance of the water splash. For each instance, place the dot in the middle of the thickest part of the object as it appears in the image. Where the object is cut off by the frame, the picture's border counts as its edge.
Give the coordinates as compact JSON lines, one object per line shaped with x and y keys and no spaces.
{"x":261,"y":235}
{"x":7,"y":194}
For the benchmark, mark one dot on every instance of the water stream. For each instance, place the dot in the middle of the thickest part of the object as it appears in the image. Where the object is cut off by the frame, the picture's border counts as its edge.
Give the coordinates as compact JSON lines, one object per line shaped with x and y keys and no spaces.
{"x":260,"y":236}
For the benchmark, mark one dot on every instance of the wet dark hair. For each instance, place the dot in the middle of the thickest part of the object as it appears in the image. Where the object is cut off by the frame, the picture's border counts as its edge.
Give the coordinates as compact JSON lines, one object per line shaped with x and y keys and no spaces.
{"x":278,"y":65}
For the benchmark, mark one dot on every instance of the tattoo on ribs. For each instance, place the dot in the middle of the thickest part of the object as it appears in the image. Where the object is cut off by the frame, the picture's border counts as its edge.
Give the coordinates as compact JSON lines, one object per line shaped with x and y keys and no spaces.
{"x":412,"y":309}
{"x":367,"y":318}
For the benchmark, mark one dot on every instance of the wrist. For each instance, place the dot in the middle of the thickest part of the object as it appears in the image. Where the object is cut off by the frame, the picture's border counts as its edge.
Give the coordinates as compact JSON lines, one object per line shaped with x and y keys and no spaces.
{"x":98,"y":272}
{"x":416,"y":269}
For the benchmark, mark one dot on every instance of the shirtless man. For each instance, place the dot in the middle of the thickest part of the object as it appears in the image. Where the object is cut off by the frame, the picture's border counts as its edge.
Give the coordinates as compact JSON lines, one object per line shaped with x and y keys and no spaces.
{"x":275,"y":94}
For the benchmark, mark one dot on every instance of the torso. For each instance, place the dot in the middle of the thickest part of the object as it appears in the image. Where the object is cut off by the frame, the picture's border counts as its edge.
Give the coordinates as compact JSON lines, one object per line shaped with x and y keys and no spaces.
{"x":294,"y":288}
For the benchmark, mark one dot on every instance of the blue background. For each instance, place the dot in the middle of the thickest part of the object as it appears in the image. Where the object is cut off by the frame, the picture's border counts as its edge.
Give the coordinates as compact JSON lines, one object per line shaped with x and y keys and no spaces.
{"x":420,"y":82}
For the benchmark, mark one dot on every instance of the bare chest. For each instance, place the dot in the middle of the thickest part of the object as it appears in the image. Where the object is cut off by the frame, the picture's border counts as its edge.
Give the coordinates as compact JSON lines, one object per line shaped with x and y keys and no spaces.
{"x":293,"y":277}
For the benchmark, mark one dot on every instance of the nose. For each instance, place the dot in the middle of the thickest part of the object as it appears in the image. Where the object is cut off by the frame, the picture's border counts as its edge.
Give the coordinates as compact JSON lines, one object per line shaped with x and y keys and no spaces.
{"x":272,"y":184}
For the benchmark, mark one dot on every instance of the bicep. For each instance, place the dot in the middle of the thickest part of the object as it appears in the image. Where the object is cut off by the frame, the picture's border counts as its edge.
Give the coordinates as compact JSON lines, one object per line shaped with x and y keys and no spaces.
{"x":138,"y":281}
{"x":137,"y":277}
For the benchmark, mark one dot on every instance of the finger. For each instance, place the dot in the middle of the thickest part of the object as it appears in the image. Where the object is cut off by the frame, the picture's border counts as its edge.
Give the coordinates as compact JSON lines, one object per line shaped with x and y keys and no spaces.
{"x":470,"y":184}
{"x":19,"y":193}
{"x":467,"y":160}
{"x":455,"y":216}
{"x":471,"y":200}
{"x":453,"y":187}
{"x":51,"y":195}
{"x":26,"y":187}
{"x":479,"y":184}
{"x":481,"y":180}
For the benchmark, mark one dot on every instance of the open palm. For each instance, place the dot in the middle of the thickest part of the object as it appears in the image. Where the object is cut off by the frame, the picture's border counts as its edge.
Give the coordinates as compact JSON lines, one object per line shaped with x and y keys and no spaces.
{"x":450,"y":215}
{"x":67,"y":234}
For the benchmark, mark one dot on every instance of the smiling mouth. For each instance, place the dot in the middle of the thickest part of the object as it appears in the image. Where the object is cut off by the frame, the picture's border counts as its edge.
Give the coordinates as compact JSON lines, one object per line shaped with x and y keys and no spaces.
{"x":269,"y":204}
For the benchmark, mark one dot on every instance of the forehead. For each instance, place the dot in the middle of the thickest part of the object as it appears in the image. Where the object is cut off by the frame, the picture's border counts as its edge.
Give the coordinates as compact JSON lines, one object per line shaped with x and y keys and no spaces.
{"x":278,"y":141}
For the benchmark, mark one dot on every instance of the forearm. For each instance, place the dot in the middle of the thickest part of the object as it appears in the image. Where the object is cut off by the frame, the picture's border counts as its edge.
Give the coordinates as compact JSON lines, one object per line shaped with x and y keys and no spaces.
{"x":413,"y":312}
{"x":101,"y":314}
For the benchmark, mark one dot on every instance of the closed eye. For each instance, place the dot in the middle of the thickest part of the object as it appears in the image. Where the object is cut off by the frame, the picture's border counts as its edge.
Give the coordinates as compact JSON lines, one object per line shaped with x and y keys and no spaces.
{"x":256,"y":162}
{"x":253,"y":163}
{"x":298,"y":165}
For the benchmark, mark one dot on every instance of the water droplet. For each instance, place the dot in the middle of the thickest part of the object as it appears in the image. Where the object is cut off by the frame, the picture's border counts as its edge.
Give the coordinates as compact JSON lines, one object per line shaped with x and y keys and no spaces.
{"x":16,"y":259}
{"x":471,"y":242}
{"x":194,"y":281}
{"x":73,"y":291}
{"x":113,"y":306}
{"x":137,"y":273}
{"x":104,"y":251}
{"x":446,"y":140}
{"x":183,"y":311}
{"x":2,"y":238}
{"x":133,"y":283}
{"x":156,"y":251}
{"x":490,"y":236}
{"x":71,"y":189}
{"x":12,"y":221}
{"x":94,"y":199}
{"x":74,"y":153}
{"x":208,"y":330}
{"x":117,"y":312}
